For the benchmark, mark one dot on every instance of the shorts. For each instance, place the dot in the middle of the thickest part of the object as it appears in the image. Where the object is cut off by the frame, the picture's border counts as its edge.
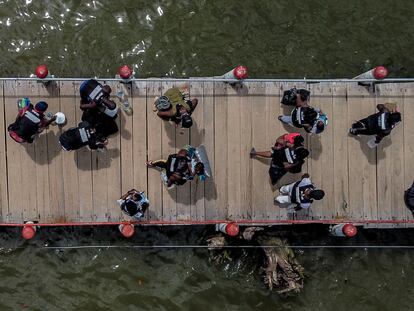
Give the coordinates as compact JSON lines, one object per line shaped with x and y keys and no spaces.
{"x":276,"y":174}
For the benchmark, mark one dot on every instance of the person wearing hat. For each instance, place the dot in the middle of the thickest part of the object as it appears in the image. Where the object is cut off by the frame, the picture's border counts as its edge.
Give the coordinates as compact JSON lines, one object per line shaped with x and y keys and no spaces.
{"x":98,"y":109}
{"x":29,"y":121}
{"x":300,"y":194}
{"x":134,"y":204}
{"x":172,"y":106}
{"x":284,"y":160}
{"x":82,"y":135}
{"x":312,"y":120}
{"x":379,"y":124}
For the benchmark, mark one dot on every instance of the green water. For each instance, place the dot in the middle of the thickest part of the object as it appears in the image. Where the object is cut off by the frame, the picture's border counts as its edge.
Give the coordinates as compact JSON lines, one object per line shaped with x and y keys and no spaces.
{"x":291,"y":39}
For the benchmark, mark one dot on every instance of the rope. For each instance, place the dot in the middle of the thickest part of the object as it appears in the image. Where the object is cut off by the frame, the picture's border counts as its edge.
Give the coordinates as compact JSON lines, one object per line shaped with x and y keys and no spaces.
{"x":222,"y":247}
{"x":212,"y":79}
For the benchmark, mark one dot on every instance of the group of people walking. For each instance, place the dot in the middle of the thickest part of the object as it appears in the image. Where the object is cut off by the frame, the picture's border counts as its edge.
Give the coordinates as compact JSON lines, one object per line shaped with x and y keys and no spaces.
{"x":288,"y":154}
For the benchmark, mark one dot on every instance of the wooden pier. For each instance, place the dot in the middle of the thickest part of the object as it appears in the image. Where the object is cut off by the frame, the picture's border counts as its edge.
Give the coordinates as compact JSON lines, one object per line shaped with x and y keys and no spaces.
{"x":41,"y":182}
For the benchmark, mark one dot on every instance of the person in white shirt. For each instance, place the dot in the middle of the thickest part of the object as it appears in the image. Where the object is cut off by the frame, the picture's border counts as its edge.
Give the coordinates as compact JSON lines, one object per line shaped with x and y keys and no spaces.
{"x":300,"y":194}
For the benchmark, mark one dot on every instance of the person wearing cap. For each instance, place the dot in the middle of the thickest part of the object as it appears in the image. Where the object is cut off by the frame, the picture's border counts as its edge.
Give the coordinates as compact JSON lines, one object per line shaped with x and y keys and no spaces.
{"x":379,"y":124}
{"x":98,"y":109}
{"x":82,"y":135}
{"x":172,"y":106}
{"x":178,"y":168}
{"x":300,"y":194}
{"x":29,"y":121}
{"x":134,"y":204}
{"x":284,"y":160}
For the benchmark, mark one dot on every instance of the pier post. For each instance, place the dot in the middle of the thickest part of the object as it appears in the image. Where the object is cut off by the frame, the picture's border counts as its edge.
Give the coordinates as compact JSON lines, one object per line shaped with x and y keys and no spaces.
{"x":343,"y":230}
{"x":29,"y":230}
{"x":127,"y":230}
{"x":125,"y":73}
{"x":229,"y":228}
{"x":378,"y":73}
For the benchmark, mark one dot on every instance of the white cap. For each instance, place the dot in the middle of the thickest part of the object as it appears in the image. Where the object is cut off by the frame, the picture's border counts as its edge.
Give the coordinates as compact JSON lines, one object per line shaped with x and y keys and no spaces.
{"x":60,"y":118}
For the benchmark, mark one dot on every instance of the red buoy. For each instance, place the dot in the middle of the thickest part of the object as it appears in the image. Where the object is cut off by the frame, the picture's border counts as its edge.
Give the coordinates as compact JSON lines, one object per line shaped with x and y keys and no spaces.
{"x":127,"y":230}
{"x":349,"y":230}
{"x":125,"y":72}
{"x":229,"y":228}
{"x":42,"y":71}
{"x":28,"y":231}
{"x":380,"y":72}
{"x":240,"y":72}
{"x":344,"y":230}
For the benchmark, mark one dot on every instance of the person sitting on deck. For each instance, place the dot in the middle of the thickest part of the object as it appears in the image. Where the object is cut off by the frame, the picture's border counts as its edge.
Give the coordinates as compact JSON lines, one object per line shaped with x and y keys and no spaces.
{"x":294,"y":97}
{"x":306,"y":117}
{"x":134,"y":204}
{"x":289,"y":140}
{"x":283,"y":160}
{"x":29,"y":121}
{"x":178,"y":168}
{"x":82,"y":135}
{"x":172,"y":106}
{"x":379,"y":124}
{"x":98,"y":110}
{"x":300,"y":194}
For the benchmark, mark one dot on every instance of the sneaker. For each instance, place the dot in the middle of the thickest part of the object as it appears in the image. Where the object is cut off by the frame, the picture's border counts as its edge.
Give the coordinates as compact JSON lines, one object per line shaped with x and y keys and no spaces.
{"x":280,"y":118}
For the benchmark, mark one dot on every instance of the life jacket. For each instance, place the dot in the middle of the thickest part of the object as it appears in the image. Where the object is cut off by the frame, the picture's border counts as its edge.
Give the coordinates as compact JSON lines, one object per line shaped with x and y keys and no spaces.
{"x":382,"y":122}
{"x":283,"y":155}
{"x":178,"y":164}
{"x":298,"y":193}
{"x":28,"y":124}
{"x":299,"y":116}
{"x":91,"y":90}
{"x":134,"y":208}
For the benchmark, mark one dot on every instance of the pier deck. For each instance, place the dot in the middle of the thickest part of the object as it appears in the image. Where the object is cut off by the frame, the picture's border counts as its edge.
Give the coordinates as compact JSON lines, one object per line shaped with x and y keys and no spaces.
{"x":41,"y":182}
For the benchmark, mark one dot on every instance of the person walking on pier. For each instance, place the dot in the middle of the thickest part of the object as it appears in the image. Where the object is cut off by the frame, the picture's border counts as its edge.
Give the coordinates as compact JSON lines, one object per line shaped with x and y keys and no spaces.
{"x":98,"y":109}
{"x":82,"y":135}
{"x":300,"y":194}
{"x":289,"y":140}
{"x":172,"y":106}
{"x":294,"y":97}
{"x":283,"y":160}
{"x":379,"y":124}
{"x":312,"y":120}
{"x":178,"y":168}
{"x":134,"y":204}
{"x":29,"y":121}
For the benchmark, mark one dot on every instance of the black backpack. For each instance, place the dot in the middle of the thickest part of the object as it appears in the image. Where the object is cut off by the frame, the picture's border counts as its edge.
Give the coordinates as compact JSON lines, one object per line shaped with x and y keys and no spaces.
{"x":289,"y":96}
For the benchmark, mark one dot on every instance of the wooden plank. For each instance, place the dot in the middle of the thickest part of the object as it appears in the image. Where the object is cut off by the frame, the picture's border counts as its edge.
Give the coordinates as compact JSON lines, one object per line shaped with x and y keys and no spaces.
{"x":138,"y":127}
{"x":321,"y":162}
{"x":84,"y":163}
{"x":169,"y":146}
{"x":390,"y":156}
{"x":408,"y":128}
{"x":4,"y":191}
{"x":30,"y":159}
{"x":69,"y":179}
{"x":208,"y":112}
{"x":220,"y":148}
{"x":197,"y":133}
{"x":48,"y":161}
{"x":249,"y":97}
{"x":233,"y":152}
{"x":340,"y":126}
{"x":183,"y":194}
{"x":14,"y":176}
{"x":361,"y":158}
{"x":113,"y":162}
{"x":154,"y":128}
{"x":126,"y":146}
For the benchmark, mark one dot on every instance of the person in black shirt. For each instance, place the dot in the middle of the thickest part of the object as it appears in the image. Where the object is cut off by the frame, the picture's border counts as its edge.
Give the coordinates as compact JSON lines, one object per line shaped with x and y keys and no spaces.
{"x":98,"y":109}
{"x":379,"y":124}
{"x":82,"y":135}
{"x":288,"y":159}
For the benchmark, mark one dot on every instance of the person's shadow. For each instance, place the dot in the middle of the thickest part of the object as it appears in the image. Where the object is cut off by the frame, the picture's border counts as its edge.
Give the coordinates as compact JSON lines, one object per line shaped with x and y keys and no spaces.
{"x":45,"y":147}
{"x":121,"y":124}
{"x":87,"y":160}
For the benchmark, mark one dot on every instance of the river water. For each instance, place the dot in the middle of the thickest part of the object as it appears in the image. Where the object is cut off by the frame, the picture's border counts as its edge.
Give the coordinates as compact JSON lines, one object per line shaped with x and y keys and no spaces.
{"x":290,"y":39}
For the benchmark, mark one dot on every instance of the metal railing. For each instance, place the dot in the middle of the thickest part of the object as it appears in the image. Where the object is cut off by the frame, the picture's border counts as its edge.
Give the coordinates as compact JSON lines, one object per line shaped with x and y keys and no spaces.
{"x":211,"y":79}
